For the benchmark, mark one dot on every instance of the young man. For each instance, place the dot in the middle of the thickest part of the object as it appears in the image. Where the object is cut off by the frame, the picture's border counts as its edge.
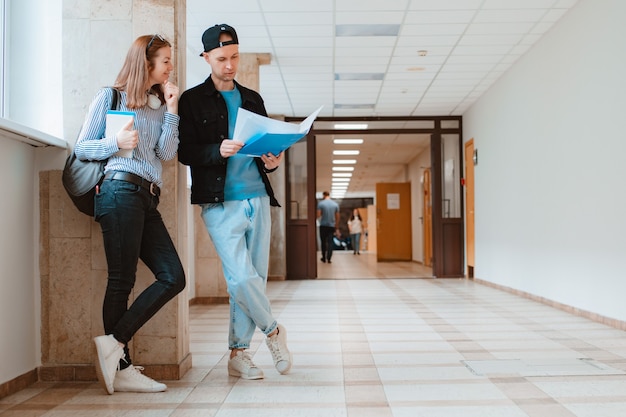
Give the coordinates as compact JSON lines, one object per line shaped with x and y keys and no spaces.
{"x":235,"y":196}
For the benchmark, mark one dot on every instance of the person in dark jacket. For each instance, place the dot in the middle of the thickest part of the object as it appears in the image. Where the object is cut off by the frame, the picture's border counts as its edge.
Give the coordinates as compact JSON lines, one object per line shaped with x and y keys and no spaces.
{"x":235,"y":196}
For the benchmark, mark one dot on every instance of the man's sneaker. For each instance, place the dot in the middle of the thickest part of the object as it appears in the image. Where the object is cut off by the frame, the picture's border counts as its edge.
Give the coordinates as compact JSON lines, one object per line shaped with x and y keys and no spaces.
{"x":277,"y":345}
{"x":110,"y":351}
{"x":241,"y":365}
{"x":132,"y":380}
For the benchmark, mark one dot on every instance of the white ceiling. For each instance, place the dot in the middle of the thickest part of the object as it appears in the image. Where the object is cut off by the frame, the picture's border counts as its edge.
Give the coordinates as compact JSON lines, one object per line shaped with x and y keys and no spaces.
{"x":320,"y":55}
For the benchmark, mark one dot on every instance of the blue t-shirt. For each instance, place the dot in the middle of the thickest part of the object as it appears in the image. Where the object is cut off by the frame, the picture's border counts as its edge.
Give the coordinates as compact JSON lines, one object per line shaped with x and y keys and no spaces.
{"x":243,"y":179}
{"x":328,"y":208}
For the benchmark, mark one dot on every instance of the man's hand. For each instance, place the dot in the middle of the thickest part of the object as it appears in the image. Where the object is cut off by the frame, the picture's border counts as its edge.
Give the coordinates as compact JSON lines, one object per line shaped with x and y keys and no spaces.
{"x":272,"y":161}
{"x":229,"y":147}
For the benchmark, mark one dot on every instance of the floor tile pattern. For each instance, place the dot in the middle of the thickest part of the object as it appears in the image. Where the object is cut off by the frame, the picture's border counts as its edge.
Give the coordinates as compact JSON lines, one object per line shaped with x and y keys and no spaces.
{"x":385,"y":345}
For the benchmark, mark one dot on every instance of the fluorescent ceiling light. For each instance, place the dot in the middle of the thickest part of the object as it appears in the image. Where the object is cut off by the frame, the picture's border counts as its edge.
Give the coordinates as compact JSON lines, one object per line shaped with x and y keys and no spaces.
{"x":350,"y":126}
{"x":346,"y":152}
{"x":354,"y":106}
{"x":359,"y":76}
{"x":343,"y":168}
{"x":344,"y":161}
{"x":334,"y":180}
{"x":348,"y":141}
{"x":342,"y":174}
{"x":367,"y":30}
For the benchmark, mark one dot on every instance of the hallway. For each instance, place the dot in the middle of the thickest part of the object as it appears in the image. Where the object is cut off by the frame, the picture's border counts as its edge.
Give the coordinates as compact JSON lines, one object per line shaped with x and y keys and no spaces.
{"x":346,"y":265}
{"x":398,"y":346}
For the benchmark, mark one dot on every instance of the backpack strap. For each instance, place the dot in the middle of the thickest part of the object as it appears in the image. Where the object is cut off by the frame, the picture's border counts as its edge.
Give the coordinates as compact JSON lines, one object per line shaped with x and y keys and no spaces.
{"x":116,"y":98}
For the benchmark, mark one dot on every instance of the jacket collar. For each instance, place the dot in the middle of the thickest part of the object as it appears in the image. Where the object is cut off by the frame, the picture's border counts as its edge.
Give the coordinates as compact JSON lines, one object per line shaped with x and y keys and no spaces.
{"x":210,"y":86}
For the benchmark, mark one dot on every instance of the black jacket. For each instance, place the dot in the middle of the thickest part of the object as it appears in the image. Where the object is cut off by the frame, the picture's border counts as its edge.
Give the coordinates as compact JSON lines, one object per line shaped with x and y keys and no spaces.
{"x":203,"y":127}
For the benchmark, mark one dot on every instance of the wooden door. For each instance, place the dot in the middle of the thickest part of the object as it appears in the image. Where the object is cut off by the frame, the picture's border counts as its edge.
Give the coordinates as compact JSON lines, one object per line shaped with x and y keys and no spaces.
{"x":427,"y":218}
{"x":469,"y":207}
{"x":301,"y":233}
{"x":448,"y":240}
{"x":393,"y":202}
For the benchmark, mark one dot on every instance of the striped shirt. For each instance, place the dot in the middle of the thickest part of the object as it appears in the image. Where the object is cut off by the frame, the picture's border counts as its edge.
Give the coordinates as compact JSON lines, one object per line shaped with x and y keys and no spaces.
{"x":158,"y":138}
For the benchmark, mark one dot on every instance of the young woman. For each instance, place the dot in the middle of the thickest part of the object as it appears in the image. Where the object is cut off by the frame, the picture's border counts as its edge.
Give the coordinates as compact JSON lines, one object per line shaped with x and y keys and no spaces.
{"x":355,"y":225}
{"x":126,"y":204}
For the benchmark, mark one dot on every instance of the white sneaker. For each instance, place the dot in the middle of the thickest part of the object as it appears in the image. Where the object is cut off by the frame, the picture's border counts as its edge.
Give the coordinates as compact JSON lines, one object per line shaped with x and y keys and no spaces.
{"x":110,"y":351}
{"x":132,"y":380}
{"x":277,"y":345}
{"x":242,"y":366}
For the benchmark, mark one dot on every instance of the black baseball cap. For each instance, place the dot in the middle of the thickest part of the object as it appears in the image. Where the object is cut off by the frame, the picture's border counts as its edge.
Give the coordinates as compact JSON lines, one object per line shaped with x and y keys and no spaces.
{"x":211,"y":37}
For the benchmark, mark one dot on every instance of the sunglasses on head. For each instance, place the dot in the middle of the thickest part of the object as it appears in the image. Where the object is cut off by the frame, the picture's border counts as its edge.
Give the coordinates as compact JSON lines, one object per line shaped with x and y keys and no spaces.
{"x":155,"y":36}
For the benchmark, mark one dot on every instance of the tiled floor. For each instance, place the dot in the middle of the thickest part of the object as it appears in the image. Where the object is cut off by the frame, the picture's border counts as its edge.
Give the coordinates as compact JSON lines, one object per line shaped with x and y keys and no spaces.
{"x":394,"y":346}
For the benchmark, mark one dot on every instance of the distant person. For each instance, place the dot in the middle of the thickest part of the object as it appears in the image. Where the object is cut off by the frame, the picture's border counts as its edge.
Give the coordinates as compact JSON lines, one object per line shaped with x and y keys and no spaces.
{"x":328,"y":214}
{"x":355,"y":226}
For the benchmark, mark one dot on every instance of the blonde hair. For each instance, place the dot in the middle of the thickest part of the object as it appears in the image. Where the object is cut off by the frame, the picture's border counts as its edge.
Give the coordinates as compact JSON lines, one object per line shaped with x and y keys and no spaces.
{"x":135,"y":73}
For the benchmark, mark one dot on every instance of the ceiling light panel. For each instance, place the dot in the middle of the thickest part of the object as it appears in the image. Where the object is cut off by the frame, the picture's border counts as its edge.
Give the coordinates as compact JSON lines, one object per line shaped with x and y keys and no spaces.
{"x":347,"y":141}
{"x":350,"y":126}
{"x":360,"y":76}
{"x":354,"y":106}
{"x":367,"y":30}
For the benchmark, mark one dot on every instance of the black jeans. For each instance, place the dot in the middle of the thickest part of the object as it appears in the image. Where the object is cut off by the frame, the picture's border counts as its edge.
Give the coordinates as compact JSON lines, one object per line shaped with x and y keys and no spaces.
{"x":132,"y":229}
{"x":326,"y":236}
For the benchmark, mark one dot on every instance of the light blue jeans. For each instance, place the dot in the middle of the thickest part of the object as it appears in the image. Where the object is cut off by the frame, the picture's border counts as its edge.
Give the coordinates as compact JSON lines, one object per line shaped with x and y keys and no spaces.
{"x":240,"y":231}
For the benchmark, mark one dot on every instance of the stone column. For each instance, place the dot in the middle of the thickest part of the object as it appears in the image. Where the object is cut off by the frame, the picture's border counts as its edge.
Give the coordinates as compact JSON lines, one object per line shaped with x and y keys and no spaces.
{"x":96,"y":37}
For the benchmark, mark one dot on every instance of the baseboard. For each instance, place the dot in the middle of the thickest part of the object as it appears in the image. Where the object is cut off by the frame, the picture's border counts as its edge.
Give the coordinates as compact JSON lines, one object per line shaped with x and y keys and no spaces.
{"x":87,"y":373}
{"x":18,"y":383}
{"x":617,"y":324}
{"x":276,"y":278}
{"x":208,"y":300}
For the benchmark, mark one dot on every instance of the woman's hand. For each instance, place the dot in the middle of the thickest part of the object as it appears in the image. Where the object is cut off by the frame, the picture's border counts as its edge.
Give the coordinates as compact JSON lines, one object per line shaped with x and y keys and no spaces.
{"x":127,"y":137}
{"x":271,"y":161}
{"x":170,"y":91}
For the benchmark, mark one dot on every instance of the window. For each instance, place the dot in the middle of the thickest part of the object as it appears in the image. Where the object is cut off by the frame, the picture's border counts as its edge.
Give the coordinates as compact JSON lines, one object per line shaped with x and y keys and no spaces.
{"x":3,"y":36}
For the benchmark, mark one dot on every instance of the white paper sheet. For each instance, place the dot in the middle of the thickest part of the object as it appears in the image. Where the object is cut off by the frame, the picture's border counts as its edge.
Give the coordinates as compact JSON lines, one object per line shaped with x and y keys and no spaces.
{"x":263,"y":135}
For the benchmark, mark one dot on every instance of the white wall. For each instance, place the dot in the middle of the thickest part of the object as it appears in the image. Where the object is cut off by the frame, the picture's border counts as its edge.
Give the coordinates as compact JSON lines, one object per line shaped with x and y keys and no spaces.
{"x":19,"y":309}
{"x":416,"y":171}
{"x":550,"y":200}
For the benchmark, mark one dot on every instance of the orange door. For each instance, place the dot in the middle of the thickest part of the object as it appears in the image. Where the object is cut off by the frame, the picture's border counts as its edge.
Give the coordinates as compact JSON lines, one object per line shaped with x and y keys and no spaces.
{"x":469,"y":206}
{"x":393,"y":202}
